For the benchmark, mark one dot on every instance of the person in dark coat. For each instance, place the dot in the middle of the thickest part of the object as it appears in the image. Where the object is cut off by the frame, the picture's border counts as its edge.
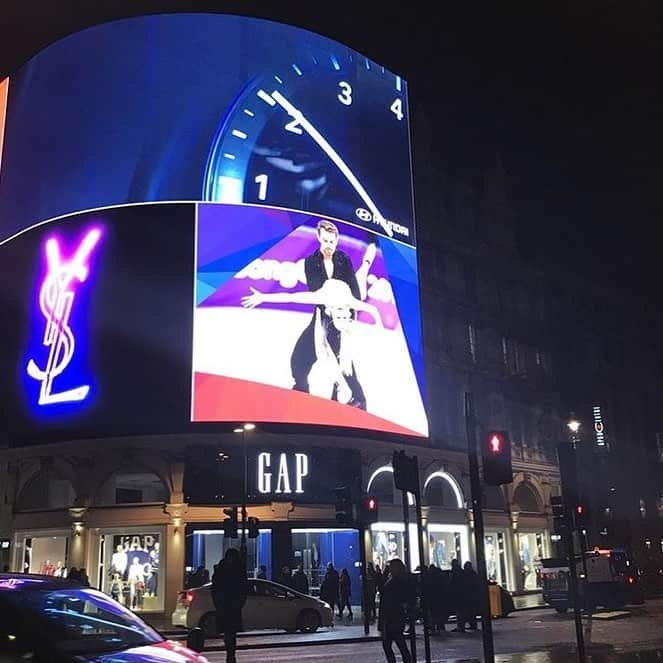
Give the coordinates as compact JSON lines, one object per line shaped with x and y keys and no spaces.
{"x":394,"y":599}
{"x":286,"y":576}
{"x":472,"y":594}
{"x":229,"y":591}
{"x":457,"y":595}
{"x":344,"y":592}
{"x":329,"y":587}
{"x":437,"y":598}
{"x":299,"y":580}
{"x":371,"y":590}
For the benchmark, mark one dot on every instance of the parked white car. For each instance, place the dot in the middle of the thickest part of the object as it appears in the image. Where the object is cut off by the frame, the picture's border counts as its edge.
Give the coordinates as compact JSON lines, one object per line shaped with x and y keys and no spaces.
{"x":268,"y":606}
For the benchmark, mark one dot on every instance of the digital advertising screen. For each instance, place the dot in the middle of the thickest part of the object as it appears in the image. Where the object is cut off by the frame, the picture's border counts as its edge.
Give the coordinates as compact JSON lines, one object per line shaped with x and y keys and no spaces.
{"x":263,"y":173}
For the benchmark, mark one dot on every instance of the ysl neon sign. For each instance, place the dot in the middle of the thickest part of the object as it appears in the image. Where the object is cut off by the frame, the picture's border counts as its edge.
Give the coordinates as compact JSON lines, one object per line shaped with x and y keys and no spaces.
{"x":56,"y":300}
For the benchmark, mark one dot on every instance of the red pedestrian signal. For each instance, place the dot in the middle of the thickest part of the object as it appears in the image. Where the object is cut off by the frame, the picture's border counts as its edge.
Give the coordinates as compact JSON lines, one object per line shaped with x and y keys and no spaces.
{"x":496,"y":443}
{"x":370,"y":510}
{"x":496,"y":457}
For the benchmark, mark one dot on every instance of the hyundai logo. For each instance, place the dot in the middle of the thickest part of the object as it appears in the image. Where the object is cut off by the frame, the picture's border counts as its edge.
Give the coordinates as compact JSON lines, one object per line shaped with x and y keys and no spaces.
{"x":363,"y":214}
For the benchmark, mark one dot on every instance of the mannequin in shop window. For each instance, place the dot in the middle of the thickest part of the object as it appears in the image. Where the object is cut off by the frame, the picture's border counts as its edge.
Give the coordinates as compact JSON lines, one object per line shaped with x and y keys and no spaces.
{"x":136,"y":581}
{"x":153,"y":578}
{"x":119,"y":561}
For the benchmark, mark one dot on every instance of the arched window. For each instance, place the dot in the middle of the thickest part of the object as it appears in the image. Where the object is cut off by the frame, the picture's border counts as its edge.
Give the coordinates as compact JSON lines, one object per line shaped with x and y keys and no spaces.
{"x":46,"y":490}
{"x":381,"y":485}
{"x":130,"y":488}
{"x":493,"y":498}
{"x":441,"y":489}
{"x":526,"y":498}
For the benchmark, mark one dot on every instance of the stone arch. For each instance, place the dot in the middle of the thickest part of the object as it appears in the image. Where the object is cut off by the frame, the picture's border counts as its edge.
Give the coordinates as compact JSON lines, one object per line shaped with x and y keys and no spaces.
{"x":381,"y":483}
{"x":527,"y":497}
{"x":441,"y":489}
{"x":135,"y":471}
{"x":50,"y":484}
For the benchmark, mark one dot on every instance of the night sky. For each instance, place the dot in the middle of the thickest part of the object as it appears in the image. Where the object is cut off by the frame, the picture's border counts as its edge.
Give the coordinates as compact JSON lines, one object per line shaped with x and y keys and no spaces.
{"x":567,"y":93}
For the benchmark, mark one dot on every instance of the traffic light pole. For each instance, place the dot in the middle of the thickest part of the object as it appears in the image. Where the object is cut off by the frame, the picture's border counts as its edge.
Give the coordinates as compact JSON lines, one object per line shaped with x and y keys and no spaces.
{"x":408,"y":566}
{"x":242,"y":548}
{"x":475,"y":483}
{"x":364,"y":588}
{"x":422,"y":566}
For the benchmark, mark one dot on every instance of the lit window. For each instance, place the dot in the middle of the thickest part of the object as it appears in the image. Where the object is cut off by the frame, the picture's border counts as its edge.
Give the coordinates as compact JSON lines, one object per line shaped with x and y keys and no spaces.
{"x":643,"y":509}
{"x":505,"y":352}
{"x":659,"y":506}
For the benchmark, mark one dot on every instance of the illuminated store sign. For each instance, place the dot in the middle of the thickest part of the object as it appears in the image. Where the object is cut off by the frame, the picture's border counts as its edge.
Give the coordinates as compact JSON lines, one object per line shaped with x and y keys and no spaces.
{"x":287,"y":474}
{"x":598,"y":426}
{"x":56,"y":303}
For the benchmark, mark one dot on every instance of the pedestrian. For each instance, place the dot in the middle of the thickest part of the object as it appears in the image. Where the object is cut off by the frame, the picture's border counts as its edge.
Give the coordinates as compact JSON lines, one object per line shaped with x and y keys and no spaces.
{"x":457,"y":595}
{"x":262,"y":572}
{"x":229,"y":591}
{"x":438,"y":598}
{"x":329,"y":587}
{"x":286,"y":576}
{"x":472,"y":594}
{"x":371,"y":591}
{"x":299,"y":580}
{"x":394,"y":598}
{"x":344,"y":593}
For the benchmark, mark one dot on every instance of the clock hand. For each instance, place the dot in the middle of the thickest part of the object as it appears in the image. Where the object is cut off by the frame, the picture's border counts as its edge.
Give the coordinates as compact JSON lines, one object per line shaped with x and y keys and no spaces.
{"x":297,"y":115}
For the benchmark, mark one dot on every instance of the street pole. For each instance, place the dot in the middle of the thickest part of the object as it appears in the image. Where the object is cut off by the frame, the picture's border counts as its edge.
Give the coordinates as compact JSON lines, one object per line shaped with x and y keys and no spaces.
{"x":570,"y":489}
{"x":422,"y":567}
{"x":244,"y":498}
{"x":364,"y":588}
{"x":408,"y":566}
{"x":479,"y":539}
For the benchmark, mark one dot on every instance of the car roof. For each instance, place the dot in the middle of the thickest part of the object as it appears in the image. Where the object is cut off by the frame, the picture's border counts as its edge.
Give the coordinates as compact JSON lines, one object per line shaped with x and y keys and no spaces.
{"x":34,"y":581}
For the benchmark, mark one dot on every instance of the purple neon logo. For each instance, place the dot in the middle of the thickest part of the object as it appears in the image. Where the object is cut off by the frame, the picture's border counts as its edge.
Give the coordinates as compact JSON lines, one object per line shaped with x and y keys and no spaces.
{"x":17,"y":583}
{"x":56,"y":300}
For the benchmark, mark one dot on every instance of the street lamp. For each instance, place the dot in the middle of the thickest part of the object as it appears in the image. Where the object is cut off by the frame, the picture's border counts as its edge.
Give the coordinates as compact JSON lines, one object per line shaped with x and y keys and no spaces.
{"x":243,"y":430}
{"x":574,"y":426}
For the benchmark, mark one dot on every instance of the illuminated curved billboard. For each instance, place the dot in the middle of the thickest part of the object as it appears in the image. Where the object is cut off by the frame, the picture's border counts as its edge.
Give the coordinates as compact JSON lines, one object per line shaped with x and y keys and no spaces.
{"x":280,"y":163}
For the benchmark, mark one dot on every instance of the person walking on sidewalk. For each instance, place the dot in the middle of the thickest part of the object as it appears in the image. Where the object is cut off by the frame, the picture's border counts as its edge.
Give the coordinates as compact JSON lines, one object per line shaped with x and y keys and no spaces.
{"x":371,"y":591}
{"x":329,"y":587}
{"x":299,"y":580}
{"x":229,"y":591}
{"x":344,"y":591}
{"x":394,"y":599}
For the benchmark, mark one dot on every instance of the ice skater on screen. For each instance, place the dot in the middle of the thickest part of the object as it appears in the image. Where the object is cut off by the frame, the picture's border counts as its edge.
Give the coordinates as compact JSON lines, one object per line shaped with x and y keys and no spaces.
{"x":325,"y":263}
{"x":332,"y":373}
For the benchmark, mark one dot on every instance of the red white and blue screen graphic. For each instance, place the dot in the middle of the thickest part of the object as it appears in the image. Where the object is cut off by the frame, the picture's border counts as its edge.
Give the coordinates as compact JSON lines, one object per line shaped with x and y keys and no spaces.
{"x":305,"y":319}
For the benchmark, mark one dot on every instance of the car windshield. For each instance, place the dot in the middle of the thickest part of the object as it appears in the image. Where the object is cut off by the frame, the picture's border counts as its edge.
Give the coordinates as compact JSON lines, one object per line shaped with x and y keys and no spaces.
{"x":75,"y":621}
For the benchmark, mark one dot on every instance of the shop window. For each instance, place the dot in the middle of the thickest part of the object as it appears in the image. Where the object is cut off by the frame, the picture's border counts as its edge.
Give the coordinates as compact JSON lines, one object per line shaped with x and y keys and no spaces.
{"x":526,"y":499}
{"x":45,"y":491}
{"x":131,"y":569}
{"x":530,"y":546}
{"x":210,"y":546}
{"x":495,"y":551}
{"x":315,"y":548}
{"x":131,"y":488}
{"x":46,"y":555}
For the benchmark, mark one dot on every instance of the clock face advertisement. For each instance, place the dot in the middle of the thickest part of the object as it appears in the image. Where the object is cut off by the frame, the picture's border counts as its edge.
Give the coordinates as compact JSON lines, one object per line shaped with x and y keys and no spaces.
{"x":280,"y":163}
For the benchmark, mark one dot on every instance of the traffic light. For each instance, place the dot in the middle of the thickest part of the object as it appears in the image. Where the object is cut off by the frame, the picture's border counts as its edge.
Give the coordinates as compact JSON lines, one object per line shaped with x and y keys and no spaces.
{"x":560,"y":515}
{"x":580,"y":516}
{"x":369,"y":510}
{"x":230,"y":523}
{"x":344,"y":515}
{"x":496,"y":456}
{"x":252,"y":527}
{"x":406,"y":472}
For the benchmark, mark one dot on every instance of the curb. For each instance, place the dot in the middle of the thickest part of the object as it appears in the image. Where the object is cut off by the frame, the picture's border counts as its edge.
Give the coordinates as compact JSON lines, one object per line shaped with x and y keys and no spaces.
{"x":297,"y":643}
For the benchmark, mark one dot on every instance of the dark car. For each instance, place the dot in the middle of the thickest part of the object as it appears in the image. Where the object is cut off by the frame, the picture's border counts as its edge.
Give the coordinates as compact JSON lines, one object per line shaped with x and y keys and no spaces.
{"x":52,"y":620}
